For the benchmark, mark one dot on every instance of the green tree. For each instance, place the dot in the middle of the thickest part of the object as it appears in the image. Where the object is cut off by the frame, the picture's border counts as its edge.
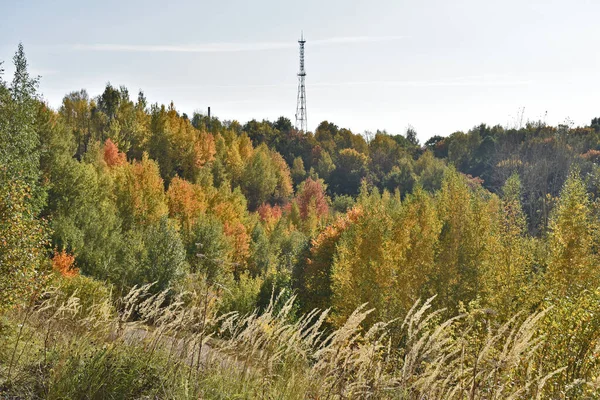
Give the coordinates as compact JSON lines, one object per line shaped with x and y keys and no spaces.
{"x":84,"y":217}
{"x":19,"y":141}
{"x":151,"y":254}
{"x":298,"y":172}
{"x":259,"y":179}
{"x":325,"y":166}
{"x":207,"y":248}
{"x":350,"y":170}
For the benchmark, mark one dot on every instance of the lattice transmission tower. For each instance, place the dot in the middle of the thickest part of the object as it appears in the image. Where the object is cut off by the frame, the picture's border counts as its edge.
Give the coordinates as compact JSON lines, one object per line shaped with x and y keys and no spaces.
{"x":301,"y":104}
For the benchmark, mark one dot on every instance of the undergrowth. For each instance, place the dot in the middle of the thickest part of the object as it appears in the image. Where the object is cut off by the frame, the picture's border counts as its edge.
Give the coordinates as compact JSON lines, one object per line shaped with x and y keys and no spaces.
{"x":178,"y":347}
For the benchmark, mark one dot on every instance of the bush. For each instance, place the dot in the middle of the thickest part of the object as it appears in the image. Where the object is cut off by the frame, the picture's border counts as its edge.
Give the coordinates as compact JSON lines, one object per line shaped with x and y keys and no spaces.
{"x":241,"y":295}
{"x":153,"y":255}
{"x":90,"y":292}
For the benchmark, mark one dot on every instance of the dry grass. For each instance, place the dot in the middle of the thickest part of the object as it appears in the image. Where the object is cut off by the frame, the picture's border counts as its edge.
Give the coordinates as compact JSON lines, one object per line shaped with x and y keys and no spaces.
{"x":177,"y":347}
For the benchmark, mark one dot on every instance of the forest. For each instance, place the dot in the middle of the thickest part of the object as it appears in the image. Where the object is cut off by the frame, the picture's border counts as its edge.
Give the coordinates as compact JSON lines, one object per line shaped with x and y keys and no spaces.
{"x":147,"y":253}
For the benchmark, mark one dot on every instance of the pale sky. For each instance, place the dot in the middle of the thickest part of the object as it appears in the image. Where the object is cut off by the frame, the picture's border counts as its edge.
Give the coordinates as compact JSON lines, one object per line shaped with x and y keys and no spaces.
{"x":440,"y":66}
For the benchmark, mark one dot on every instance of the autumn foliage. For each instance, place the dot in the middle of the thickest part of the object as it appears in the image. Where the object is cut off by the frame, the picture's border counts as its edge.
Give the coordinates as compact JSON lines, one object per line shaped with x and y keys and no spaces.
{"x":62,"y":262}
{"x":187,"y":202}
{"x":495,"y":225}
{"x":311,"y":198}
{"x":112,"y":156}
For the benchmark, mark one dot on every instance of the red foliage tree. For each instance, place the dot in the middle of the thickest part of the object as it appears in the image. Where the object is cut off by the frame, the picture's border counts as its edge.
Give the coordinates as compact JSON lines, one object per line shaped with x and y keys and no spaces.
{"x":112,"y":156}
{"x":312,"y":198}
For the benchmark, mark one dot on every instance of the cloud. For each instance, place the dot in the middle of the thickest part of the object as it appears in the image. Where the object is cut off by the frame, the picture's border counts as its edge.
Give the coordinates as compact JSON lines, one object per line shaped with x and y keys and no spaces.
{"x":455,"y":82}
{"x":355,"y":39}
{"x":229,"y":47}
{"x":461,"y":81}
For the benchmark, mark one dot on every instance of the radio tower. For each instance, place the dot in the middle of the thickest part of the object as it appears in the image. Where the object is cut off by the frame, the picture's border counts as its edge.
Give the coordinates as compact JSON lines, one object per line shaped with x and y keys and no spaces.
{"x":301,"y":105}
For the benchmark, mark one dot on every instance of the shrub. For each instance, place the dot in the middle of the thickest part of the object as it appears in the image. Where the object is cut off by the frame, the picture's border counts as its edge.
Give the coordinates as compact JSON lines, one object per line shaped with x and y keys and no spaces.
{"x":91,"y":293}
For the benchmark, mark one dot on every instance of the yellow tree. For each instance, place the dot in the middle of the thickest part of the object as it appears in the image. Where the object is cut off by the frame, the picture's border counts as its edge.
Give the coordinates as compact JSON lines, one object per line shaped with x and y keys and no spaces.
{"x":572,"y":262}
{"x":139,"y":193}
{"x":284,"y":188}
{"x":465,"y":213}
{"x":511,"y":253}
{"x":413,"y":243}
{"x":230,"y":208}
{"x":314,"y":277}
{"x":364,"y":268}
{"x":386,"y":257}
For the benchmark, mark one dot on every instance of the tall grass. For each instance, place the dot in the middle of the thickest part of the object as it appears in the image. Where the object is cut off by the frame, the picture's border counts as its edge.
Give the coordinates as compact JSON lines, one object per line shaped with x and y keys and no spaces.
{"x":159,"y":346}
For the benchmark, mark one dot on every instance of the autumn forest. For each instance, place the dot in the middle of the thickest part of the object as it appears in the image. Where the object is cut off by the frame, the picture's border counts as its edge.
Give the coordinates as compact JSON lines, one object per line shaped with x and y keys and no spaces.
{"x":147,"y":253}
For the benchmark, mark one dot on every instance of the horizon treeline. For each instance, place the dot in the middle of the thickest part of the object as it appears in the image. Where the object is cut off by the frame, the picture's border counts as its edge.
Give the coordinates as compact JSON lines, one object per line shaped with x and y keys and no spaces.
{"x":128,"y":193}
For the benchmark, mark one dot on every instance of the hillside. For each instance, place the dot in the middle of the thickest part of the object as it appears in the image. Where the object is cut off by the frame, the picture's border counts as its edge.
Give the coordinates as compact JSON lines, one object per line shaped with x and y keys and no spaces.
{"x":466,"y":266}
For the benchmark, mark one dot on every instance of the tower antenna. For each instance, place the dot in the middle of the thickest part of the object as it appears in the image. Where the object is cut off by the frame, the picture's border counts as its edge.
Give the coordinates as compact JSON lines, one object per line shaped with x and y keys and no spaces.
{"x":301,"y":123}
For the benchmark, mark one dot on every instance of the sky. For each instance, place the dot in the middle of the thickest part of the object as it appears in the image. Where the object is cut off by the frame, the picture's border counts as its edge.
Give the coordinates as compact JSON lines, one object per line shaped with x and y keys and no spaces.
{"x":440,"y":66}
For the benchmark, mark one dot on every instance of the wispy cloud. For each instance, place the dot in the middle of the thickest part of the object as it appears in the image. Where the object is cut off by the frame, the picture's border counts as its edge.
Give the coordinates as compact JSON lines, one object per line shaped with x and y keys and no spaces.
{"x":229,"y":47}
{"x":456,"y":82}
{"x":355,"y":39}
{"x":480,"y":81}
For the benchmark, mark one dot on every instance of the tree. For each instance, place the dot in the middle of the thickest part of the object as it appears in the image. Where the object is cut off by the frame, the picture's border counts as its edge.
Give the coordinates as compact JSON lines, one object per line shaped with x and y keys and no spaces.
{"x":508,"y":272}
{"x":208,"y":250}
{"x":386,"y":257}
{"x":411,"y":135}
{"x":187,"y":203}
{"x":76,"y":114}
{"x":361,"y":270}
{"x":313,"y":274}
{"x":462,"y":250}
{"x":312,"y":199}
{"x":385,"y":153}
{"x":22,"y":244}
{"x":572,"y":263}
{"x":298,"y":172}
{"x":112,"y":155}
{"x":325,"y":166}
{"x":19,"y":141}
{"x":260,"y":258}
{"x":139,"y":193}
{"x":259,"y":179}
{"x":350,"y":170}
{"x":430,"y":171}
{"x":151,"y":254}
{"x":284,"y":188}
{"x":84,"y":217}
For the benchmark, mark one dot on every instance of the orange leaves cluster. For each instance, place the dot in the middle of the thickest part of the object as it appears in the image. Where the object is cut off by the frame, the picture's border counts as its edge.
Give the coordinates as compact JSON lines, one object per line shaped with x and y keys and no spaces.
{"x":332,"y":232}
{"x":63,"y":262}
{"x":204,"y":150}
{"x":236,"y":232}
{"x":187,"y":202}
{"x":269,"y":214}
{"x":112,"y":156}
{"x":317,"y":271}
{"x":592,"y":155}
